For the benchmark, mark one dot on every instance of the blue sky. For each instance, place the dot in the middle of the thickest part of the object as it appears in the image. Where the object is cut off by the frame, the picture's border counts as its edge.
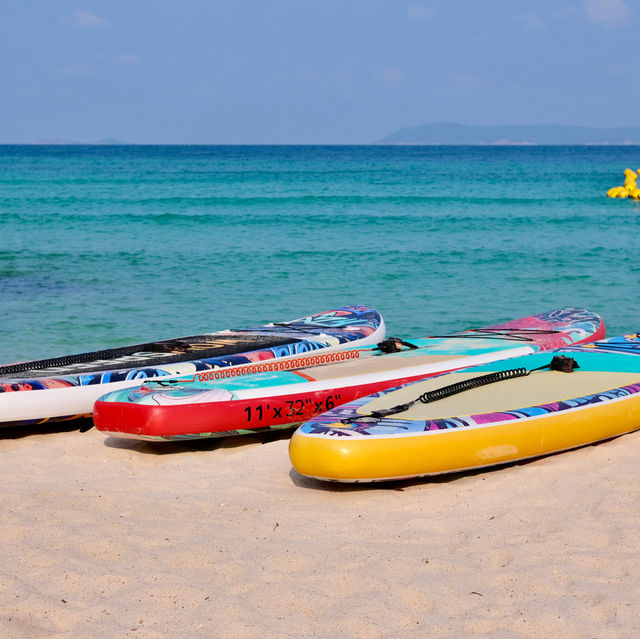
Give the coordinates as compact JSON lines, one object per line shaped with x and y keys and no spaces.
{"x":310,"y":71}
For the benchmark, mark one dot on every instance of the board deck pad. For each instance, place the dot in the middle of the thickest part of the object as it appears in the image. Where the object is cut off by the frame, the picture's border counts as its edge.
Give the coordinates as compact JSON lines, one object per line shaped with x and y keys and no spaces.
{"x":542,"y":387}
{"x":146,"y":355}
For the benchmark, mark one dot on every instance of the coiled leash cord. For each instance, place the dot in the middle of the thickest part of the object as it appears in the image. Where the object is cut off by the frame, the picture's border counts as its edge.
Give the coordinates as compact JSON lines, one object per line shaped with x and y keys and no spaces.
{"x":558,"y":363}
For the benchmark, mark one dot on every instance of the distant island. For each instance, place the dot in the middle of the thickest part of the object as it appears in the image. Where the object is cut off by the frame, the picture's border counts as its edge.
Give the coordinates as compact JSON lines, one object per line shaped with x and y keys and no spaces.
{"x":463,"y":134}
{"x":63,"y":142}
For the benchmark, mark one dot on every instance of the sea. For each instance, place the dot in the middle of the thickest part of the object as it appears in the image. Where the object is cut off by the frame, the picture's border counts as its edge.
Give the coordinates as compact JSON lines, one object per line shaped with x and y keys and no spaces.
{"x":102,"y":246}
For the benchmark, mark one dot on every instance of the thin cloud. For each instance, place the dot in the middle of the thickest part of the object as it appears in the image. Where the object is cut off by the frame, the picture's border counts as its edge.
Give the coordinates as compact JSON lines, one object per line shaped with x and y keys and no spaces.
{"x":128,"y":59}
{"x":390,"y":76}
{"x":85,"y":20}
{"x":615,"y":72}
{"x":73,"y":71}
{"x":417,"y":13}
{"x":532,"y":22}
{"x":468,"y":80}
{"x":607,"y":12}
{"x":566,"y":13}
{"x":30,"y":90}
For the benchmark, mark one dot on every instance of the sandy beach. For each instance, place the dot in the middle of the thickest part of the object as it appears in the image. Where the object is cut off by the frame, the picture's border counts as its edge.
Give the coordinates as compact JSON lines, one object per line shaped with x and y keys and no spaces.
{"x":221,"y":538}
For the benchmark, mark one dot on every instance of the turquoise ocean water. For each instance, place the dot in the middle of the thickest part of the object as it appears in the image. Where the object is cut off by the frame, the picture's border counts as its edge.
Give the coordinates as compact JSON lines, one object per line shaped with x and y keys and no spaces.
{"x":102,"y":246}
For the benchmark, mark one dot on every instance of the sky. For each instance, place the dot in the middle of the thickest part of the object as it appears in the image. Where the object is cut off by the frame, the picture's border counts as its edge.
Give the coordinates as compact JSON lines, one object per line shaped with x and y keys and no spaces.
{"x":310,"y":71}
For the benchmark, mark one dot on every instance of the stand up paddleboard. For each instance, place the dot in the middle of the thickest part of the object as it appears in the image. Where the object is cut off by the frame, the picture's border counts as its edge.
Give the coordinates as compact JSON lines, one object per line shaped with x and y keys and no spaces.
{"x":493,"y":414}
{"x":68,"y":386}
{"x":257,"y":397}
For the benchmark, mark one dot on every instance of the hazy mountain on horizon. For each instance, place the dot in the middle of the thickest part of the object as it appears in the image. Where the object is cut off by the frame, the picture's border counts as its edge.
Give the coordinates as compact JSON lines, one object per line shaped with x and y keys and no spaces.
{"x":65,"y":142}
{"x":507,"y":134}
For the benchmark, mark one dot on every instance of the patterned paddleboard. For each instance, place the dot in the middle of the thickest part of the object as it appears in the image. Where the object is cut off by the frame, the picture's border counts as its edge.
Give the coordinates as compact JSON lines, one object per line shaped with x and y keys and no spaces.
{"x":492,"y":414}
{"x":284,"y":394}
{"x":68,"y":386}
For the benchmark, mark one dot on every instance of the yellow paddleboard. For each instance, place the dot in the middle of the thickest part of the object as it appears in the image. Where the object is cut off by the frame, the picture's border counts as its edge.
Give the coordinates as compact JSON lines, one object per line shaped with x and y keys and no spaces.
{"x":484,"y":417}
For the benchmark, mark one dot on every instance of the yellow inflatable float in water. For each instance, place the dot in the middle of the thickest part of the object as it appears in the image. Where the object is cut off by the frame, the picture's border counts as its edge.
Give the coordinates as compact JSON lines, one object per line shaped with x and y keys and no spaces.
{"x":618,"y":191}
{"x":630,"y":187}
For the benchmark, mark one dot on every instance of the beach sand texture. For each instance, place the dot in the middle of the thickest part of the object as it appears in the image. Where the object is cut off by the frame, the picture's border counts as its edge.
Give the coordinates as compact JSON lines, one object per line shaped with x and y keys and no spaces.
{"x":220,"y":538}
